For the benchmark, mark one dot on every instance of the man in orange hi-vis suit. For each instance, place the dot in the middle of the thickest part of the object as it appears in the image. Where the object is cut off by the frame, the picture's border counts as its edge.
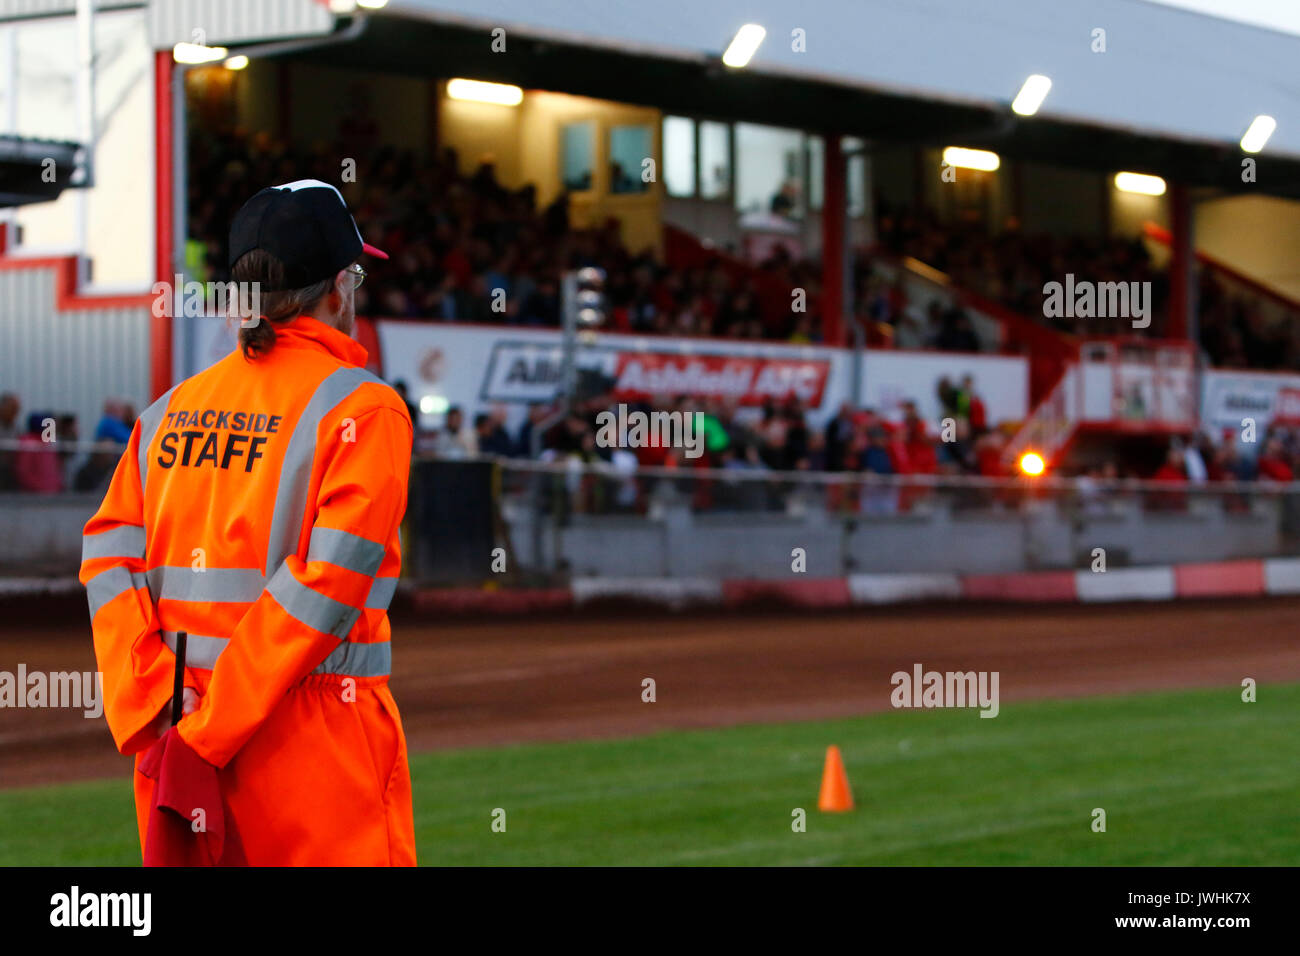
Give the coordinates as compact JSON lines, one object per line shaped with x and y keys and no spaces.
{"x":257,"y":509}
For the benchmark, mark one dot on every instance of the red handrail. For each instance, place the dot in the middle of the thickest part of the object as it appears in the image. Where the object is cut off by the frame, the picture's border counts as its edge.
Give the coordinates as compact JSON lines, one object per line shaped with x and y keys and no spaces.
{"x":1162,"y":235}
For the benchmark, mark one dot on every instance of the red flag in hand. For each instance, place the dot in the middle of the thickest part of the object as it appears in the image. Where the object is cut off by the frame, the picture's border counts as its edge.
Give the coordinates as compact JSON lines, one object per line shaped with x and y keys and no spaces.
{"x":187,"y":824}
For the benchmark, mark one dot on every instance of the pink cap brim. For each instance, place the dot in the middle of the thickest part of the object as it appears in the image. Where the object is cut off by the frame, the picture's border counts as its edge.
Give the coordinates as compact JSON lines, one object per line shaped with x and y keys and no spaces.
{"x":377,"y":253}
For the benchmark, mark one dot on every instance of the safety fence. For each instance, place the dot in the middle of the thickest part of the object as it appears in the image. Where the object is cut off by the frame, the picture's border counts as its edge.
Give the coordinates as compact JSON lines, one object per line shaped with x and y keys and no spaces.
{"x":538,"y":520}
{"x":575,"y":487}
{"x":515,"y":522}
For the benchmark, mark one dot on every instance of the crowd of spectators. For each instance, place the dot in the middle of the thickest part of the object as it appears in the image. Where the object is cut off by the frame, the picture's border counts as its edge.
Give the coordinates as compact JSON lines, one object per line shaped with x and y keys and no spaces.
{"x":1195,"y":461}
{"x":43,"y":453}
{"x":466,"y":248}
{"x":774,"y":438}
{"x":1234,"y":332}
{"x":455,"y":240}
{"x":778,"y":437}
{"x":1203,"y":459}
{"x":1011,"y":267}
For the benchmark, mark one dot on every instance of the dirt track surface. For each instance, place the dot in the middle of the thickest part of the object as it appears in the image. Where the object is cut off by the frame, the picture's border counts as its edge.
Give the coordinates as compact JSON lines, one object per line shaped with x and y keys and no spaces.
{"x":463,"y":683}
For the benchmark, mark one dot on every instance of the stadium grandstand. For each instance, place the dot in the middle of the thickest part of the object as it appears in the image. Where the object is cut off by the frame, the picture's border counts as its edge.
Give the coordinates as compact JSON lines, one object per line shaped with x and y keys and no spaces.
{"x":838,"y":254}
{"x":791,"y":385}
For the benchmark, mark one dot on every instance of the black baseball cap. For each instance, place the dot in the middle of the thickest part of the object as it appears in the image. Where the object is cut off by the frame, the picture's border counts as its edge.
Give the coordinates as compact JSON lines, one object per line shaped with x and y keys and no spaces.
{"x":304,"y":224}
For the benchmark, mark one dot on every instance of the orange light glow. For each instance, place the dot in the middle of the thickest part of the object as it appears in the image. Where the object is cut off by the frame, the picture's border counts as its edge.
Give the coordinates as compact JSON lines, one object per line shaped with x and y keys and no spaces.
{"x":1031,"y":463}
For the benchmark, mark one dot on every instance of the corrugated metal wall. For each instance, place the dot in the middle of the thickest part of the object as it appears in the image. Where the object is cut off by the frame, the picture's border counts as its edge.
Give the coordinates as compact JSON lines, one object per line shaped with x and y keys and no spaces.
{"x":12,"y":9}
{"x":69,"y":361}
{"x":34,"y":8}
{"x":235,"y":21}
{"x":222,"y":21}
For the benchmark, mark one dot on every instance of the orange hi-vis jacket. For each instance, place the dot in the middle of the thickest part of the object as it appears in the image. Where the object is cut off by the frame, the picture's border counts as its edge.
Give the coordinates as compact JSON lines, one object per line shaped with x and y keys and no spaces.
{"x":257,"y":509}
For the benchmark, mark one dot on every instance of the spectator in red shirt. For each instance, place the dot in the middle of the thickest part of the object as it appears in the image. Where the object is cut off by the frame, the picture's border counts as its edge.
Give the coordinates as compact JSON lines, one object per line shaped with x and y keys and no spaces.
{"x":458,"y":264}
{"x":920,"y":450}
{"x":988,"y":455}
{"x":36,"y":465}
{"x":897,"y":450}
{"x":1172,"y":469}
{"x":1273,"y":465}
{"x":1172,"y":472}
{"x":922,"y":459}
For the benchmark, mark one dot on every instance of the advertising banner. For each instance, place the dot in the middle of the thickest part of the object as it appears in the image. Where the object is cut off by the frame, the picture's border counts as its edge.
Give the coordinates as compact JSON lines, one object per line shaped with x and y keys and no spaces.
{"x":478,"y":367}
{"x":1228,"y":398}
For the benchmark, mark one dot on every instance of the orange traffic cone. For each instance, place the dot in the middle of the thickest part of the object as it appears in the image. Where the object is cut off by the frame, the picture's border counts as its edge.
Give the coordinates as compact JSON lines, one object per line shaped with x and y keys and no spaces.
{"x":836,"y":797}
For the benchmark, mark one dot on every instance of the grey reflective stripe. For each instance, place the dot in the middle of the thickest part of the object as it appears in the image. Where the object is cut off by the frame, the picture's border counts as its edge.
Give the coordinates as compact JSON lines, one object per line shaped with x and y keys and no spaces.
{"x":359,"y":660}
{"x":200,"y":650}
{"x":106,"y":585}
{"x":381,"y":594}
{"x":349,"y":660}
{"x":150,"y":419}
{"x":225,"y":585}
{"x":316,"y":610}
{"x":125,"y":541}
{"x":345,"y":550}
{"x":295,"y":473}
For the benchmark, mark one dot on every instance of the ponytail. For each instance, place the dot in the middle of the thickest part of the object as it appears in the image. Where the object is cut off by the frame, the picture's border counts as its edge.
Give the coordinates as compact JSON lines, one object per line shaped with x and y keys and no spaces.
{"x":277,"y":308}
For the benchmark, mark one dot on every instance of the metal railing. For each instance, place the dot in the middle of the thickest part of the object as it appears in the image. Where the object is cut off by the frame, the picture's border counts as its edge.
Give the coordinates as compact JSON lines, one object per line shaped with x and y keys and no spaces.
{"x":575,"y":487}
{"x":570,"y":517}
{"x":542,"y":521}
{"x":28,"y":465}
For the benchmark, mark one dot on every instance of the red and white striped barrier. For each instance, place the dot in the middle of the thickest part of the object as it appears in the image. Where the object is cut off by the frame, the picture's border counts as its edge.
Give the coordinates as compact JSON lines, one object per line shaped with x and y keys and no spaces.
{"x":1219,"y":579}
{"x":1245,"y":578}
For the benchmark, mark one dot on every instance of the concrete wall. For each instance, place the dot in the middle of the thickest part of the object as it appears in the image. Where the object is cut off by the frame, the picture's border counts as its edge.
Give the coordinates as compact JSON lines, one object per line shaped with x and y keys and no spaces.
{"x":42,"y":535}
{"x":1257,"y":235}
{"x":674,"y":543}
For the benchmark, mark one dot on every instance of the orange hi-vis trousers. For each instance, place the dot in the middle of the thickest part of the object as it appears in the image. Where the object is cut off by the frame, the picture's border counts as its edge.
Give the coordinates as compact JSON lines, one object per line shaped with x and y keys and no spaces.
{"x":257,"y":509}
{"x":324,"y":781}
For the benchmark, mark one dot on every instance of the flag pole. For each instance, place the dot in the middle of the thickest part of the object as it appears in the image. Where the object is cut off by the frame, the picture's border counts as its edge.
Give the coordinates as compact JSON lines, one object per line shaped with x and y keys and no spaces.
{"x":178,"y":680}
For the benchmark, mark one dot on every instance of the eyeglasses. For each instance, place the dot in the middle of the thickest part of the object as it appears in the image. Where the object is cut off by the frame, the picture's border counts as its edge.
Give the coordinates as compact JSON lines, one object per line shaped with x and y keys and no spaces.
{"x":358,"y":275}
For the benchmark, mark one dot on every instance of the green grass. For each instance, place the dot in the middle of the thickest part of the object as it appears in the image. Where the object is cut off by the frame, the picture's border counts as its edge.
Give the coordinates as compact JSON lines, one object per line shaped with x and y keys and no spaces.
{"x":1188,"y":778}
